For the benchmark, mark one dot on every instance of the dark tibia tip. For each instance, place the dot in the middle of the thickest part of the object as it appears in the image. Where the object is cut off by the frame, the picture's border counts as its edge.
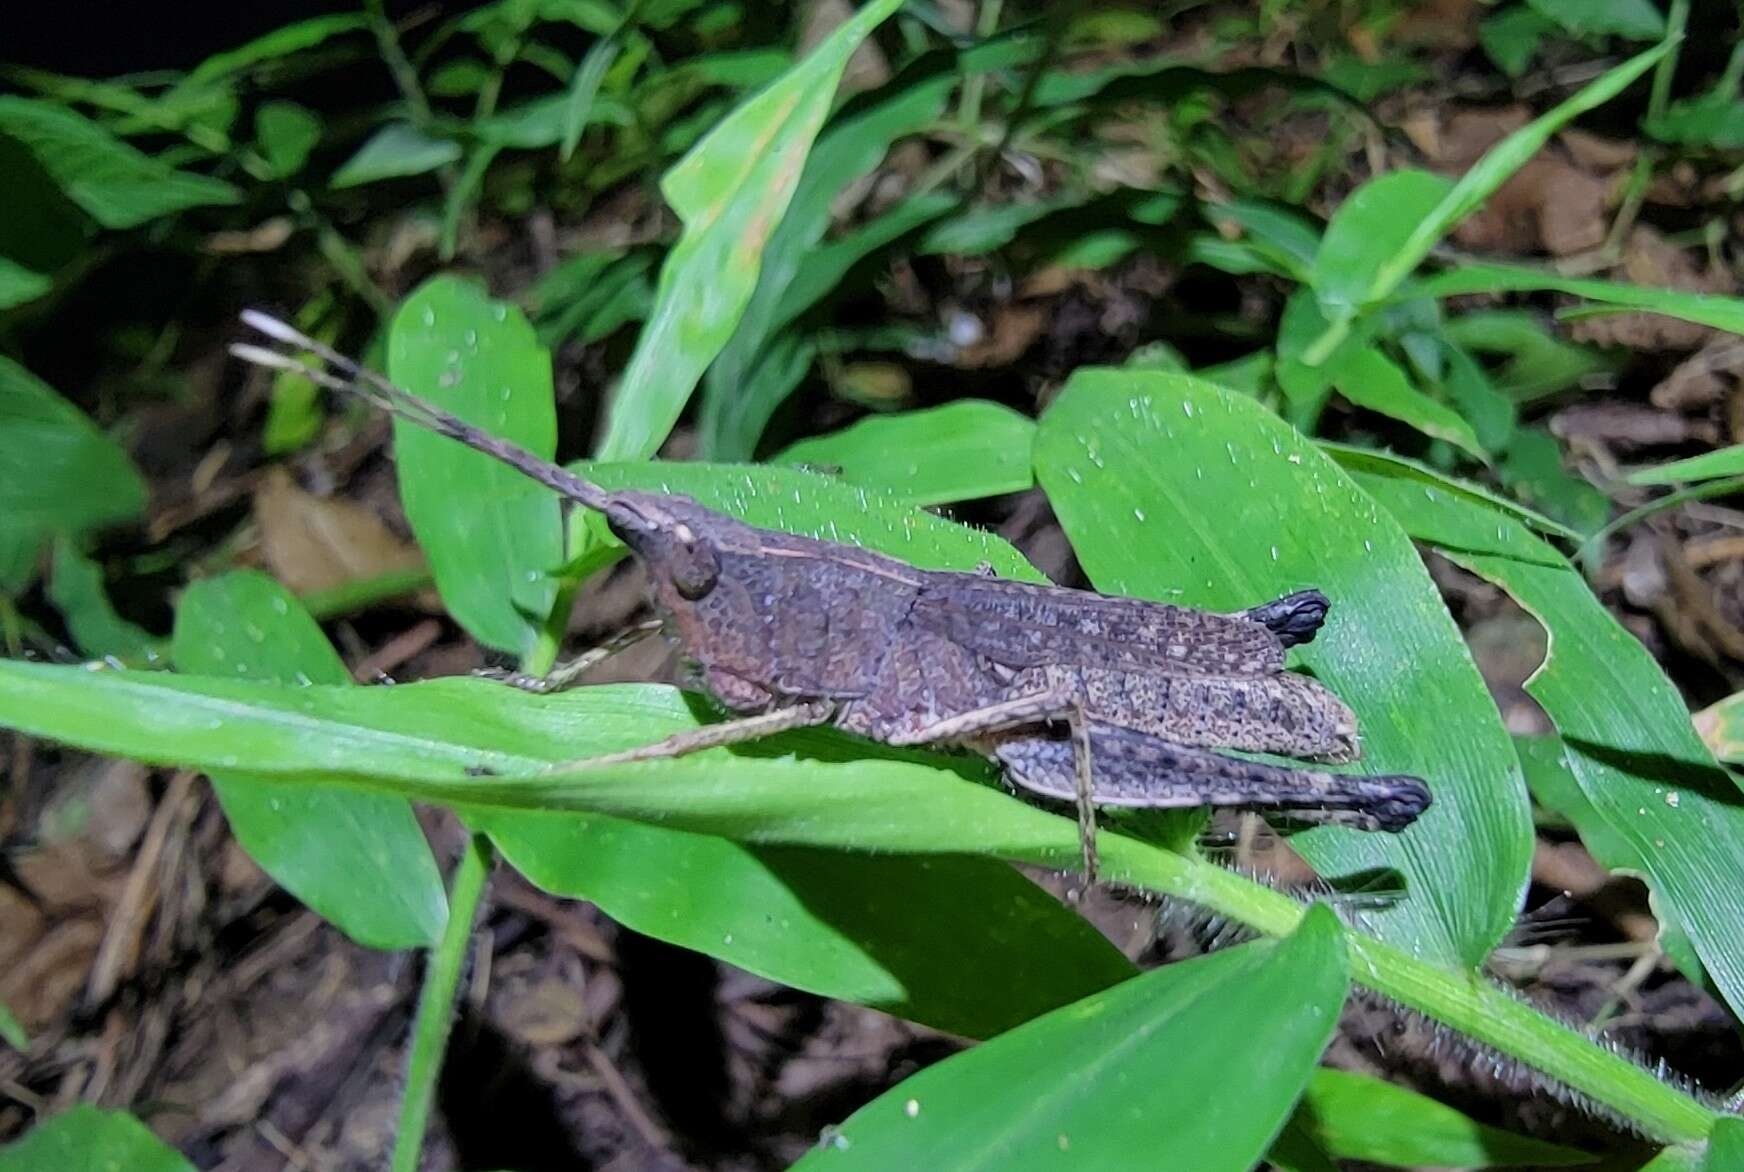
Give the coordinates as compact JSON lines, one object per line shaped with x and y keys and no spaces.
{"x":1399,"y":801}
{"x":1294,"y":618}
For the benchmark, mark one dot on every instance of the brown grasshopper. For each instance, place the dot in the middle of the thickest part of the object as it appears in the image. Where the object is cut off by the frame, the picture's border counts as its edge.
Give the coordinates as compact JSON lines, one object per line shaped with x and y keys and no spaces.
{"x":787,"y":631}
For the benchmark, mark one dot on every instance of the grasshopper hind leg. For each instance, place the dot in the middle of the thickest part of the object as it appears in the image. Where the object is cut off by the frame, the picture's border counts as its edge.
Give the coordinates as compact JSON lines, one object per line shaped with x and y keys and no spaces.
{"x":1294,"y":618}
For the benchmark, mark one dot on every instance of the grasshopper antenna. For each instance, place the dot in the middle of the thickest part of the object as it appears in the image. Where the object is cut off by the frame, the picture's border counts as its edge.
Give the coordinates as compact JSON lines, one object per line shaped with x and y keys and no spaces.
{"x":374,"y":388}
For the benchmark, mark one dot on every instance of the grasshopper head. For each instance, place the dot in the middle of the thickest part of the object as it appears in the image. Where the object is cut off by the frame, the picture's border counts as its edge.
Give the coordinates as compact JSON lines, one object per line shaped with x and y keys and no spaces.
{"x":679,"y":551}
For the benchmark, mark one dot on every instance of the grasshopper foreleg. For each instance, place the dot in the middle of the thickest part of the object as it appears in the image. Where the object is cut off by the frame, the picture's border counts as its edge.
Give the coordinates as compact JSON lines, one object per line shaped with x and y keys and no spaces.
{"x":713,"y":736}
{"x":564,"y":675}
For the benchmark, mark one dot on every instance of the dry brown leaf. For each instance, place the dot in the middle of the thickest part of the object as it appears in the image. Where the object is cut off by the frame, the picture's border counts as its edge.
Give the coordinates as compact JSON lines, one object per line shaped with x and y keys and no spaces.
{"x":316,"y":543}
{"x":1703,"y":378}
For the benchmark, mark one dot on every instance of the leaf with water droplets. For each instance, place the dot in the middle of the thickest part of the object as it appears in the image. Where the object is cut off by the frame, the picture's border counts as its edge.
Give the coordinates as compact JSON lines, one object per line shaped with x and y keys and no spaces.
{"x":493,"y":537}
{"x":359,"y":860}
{"x":1242,"y":509}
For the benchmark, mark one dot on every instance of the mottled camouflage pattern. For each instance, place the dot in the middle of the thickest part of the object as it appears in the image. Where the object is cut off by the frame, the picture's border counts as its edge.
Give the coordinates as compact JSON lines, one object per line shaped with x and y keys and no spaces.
{"x":777,"y":624}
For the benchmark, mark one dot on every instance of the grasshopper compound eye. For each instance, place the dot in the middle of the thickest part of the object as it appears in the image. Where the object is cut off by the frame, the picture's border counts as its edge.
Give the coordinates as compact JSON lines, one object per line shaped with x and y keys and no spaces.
{"x":695,"y":568}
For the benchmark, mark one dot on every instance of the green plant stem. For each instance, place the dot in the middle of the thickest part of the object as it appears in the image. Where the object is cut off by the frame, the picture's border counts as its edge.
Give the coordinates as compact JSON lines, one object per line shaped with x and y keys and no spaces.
{"x":435,"y":1017}
{"x":405,"y":77}
{"x":1466,"y":1002}
{"x":1660,"y":96}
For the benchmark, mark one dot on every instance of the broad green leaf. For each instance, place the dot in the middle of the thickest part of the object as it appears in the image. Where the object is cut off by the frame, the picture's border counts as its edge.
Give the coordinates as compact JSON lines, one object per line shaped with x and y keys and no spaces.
{"x":1355,"y":1117}
{"x":960,"y":944}
{"x":1491,"y":413}
{"x":1545,"y":762}
{"x":1145,"y":1067}
{"x":287,"y":133}
{"x":1707,"y":309}
{"x":1511,"y":37}
{"x":19,"y":284}
{"x":539,"y":123}
{"x":1539,"y":363}
{"x":1712,"y":119}
{"x":1707,"y":466}
{"x":1369,"y":228}
{"x":493,"y":537}
{"x":729,"y":192}
{"x":1635,"y":20}
{"x":281,"y":42}
{"x":1498,"y":164}
{"x":12,"y":1031}
{"x":795,"y":501}
{"x":473,"y":743}
{"x":359,"y":860}
{"x":116,"y":184}
{"x":58,"y":473}
{"x":744,"y":384}
{"x":76,"y":588}
{"x":1175,"y":490}
{"x":1725,"y":1147}
{"x":1626,"y":732}
{"x":86,"y":1139}
{"x":396,"y":150}
{"x":1279,"y":233}
{"x":1532,"y":470}
{"x":1370,"y":379}
{"x":963,"y":450}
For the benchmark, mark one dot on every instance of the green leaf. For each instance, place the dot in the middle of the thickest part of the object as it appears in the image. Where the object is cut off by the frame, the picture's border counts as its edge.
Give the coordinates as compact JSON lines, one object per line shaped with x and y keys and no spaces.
{"x":1498,"y":164}
{"x":990,"y":951}
{"x":396,"y":150}
{"x":1175,"y":490}
{"x":85,"y":1139}
{"x":76,"y":588}
{"x":1707,"y":309}
{"x":1511,"y":37}
{"x":493,"y":537}
{"x":1707,"y":466}
{"x":58,"y":473}
{"x":730,"y":192}
{"x":281,"y":42}
{"x":1467,"y":384}
{"x":1545,"y":763}
{"x":746,"y":383}
{"x":287,"y":133}
{"x":584,"y":88}
{"x":1725,"y":1146}
{"x":12,"y":1031}
{"x":963,"y":450}
{"x":116,"y":184}
{"x":1146,"y":1066}
{"x":359,"y":860}
{"x":1635,"y":20}
{"x":1371,"y":380}
{"x":1532,"y":470}
{"x":1369,"y":228}
{"x":1628,"y":737}
{"x":19,"y":284}
{"x":823,"y":507}
{"x":1354,"y":1117}
{"x":1539,"y":363}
